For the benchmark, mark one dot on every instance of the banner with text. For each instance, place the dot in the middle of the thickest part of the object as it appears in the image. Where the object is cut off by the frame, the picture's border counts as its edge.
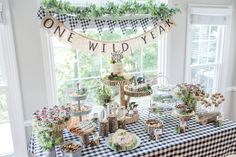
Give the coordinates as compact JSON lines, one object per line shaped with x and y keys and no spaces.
{"x":86,"y":44}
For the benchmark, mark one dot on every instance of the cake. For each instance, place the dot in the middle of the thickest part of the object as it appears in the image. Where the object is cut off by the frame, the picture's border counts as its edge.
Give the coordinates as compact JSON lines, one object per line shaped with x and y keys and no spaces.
{"x":117,"y":68}
{"x":122,"y":140}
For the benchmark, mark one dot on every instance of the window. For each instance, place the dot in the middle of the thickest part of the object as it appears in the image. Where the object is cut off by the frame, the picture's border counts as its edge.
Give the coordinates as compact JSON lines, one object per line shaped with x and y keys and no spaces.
{"x":205,"y":45}
{"x":12,"y":133}
{"x":64,"y":66}
{"x":72,"y":66}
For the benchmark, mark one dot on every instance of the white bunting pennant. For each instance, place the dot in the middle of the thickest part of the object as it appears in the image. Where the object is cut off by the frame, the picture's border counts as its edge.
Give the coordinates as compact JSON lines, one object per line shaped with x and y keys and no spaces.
{"x":86,"y":44}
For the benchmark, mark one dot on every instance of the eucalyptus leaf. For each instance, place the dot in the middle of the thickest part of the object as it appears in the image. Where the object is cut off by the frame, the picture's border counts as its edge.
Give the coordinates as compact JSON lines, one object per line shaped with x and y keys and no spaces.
{"x":116,"y":10}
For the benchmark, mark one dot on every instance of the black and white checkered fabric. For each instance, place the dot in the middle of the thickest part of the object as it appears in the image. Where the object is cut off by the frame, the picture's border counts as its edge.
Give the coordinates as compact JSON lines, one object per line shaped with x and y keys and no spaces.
{"x":123,"y":25}
{"x":111,"y":24}
{"x":41,"y":13}
{"x":61,"y":18}
{"x":84,"y":24}
{"x":144,"y":23}
{"x":100,"y":24}
{"x":199,"y":140}
{"x":155,"y":21}
{"x":73,"y":21}
{"x":134,"y":24}
{"x":51,"y":13}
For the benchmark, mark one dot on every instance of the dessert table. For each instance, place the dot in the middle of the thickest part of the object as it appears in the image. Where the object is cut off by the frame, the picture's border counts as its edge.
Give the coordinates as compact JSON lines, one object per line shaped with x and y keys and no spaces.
{"x":199,"y":140}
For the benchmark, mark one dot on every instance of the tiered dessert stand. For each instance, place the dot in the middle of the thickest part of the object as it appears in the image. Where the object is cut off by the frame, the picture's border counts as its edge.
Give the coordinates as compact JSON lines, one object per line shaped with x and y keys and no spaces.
{"x":79,"y":96}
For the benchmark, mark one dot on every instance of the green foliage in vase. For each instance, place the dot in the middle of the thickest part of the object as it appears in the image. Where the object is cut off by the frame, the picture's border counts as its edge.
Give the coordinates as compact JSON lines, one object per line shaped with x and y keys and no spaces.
{"x":48,"y":139}
{"x":132,"y":7}
{"x":104,"y":95}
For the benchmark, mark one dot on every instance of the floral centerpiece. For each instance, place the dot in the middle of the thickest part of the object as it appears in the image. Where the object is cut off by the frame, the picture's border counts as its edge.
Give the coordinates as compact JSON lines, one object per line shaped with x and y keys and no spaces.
{"x":48,"y":124}
{"x":189,"y":95}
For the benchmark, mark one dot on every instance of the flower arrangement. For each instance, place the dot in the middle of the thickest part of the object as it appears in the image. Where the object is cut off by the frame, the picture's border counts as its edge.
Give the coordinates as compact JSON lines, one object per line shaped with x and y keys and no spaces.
{"x":189,"y":94}
{"x":48,"y":123}
{"x":104,"y":95}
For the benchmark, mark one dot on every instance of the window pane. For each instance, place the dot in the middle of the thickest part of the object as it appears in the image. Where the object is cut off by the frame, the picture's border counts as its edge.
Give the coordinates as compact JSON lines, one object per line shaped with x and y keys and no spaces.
{"x":195,"y":32}
{"x":194,"y":56}
{"x":150,"y":57}
{"x":212,"y":52}
{"x":89,"y":65}
{"x":204,"y":46}
{"x":65,"y":59}
{"x":133,"y":62}
{"x":214,"y":33}
{"x":203,"y":52}
{"x":205,"y":76}
{"x":204,"y":32}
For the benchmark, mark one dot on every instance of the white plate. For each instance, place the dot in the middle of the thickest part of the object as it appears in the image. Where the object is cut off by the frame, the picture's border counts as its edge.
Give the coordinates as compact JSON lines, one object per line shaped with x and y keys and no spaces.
{"x":137,"y":144}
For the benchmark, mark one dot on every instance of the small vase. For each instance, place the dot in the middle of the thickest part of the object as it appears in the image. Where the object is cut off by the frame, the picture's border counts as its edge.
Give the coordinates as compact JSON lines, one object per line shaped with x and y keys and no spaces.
{"x":50,"y":153}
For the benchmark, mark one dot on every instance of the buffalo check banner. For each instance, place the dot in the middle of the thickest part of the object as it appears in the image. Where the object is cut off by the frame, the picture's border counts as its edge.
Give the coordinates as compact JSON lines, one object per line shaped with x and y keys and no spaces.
{"x":86,"y":44}
{"x":198,"y":141}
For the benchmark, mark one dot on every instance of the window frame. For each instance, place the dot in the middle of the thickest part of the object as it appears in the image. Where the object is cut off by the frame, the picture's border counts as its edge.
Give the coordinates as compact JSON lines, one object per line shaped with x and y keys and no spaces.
{"x":223,"y":46}
{"x":13,"y":86}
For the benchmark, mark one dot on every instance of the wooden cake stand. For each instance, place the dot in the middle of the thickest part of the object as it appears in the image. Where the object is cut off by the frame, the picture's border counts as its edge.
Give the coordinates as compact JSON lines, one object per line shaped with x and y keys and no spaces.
{"x":120,"y":84}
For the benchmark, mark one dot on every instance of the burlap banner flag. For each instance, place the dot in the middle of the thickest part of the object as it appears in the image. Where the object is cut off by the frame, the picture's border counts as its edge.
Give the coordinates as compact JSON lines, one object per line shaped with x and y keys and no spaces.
{"x":86,"y":44}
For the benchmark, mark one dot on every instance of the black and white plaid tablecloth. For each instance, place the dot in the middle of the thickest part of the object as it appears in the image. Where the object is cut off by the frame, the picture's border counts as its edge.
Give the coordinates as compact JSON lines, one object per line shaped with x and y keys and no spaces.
{"x":199,"y":140}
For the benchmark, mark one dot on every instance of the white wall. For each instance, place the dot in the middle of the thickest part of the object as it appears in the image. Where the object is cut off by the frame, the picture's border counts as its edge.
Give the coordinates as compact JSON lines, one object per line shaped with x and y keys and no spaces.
{"x":29,"y":54}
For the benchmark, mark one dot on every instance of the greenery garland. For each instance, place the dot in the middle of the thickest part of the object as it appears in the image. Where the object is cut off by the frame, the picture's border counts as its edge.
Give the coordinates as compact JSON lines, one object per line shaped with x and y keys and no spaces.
{"x":115,"y":10}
